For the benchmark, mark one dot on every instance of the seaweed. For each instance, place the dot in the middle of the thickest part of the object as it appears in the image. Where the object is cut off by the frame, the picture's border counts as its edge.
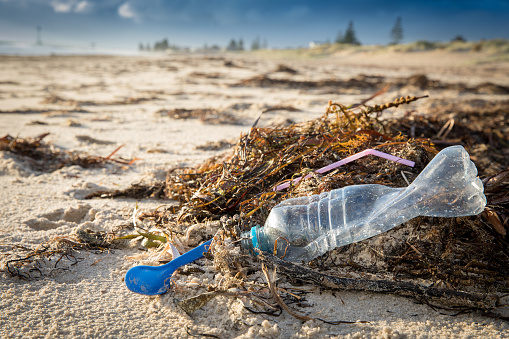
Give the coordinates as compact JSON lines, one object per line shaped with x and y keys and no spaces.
{"x":264,"y":80}
{"x":465,"y":259}
{"x":136,"y":191}
{"x":215,"y":145}
{"x":58,"y":100}
{"x":468,"y":254}
{"x":47,"y":158}
{"x":419,"y":292}
{"x":285,"y":69}
{"x":205,"y":115}
{"x":57,"y":254}
{"x":481,"y":127}
{"x":363,"y":82}
{"x":243,"y":181}
{"x":422,"y":82}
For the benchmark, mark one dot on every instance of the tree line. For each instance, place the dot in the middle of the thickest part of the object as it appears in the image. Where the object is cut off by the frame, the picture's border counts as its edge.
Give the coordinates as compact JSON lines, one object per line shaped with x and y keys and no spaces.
{"x":233,"y":45}
{"x":349,"y":37}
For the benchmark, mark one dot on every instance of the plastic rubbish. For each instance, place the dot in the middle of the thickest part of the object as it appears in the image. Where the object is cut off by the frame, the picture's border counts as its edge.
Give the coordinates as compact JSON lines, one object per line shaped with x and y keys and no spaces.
{"x":307,"y":227}
{"x":152,"y":280}
{"x":345,"y":161}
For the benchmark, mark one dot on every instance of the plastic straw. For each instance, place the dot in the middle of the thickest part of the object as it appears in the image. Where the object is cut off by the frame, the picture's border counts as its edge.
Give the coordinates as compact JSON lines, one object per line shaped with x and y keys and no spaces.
{"x":346,"y":161}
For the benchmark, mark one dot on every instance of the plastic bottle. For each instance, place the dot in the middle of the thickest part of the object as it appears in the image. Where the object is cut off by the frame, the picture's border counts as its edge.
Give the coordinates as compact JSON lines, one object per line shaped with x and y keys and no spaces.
{"x":308,"y":227}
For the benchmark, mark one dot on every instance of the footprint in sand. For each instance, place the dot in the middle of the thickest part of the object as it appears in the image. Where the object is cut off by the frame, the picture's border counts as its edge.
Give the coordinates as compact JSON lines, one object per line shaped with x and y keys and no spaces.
{"x":72,"y":215}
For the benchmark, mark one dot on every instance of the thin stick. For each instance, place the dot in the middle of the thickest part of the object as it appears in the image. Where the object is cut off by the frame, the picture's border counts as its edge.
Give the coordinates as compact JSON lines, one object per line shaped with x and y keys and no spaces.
{"x":484,"y":301}
{"x":112,"y":153}
{"x":278,"y":299}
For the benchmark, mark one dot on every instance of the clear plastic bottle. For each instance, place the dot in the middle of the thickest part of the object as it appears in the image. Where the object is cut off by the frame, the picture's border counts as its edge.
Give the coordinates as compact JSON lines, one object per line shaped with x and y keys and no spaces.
{"x":308,"y":227}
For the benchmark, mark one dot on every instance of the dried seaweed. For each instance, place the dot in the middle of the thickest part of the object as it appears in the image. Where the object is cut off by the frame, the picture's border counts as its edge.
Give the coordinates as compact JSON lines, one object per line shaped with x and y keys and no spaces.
{"x":465,"y":260}
{"x":281,"y":108}
{"x":89,"y":140}
{"x":136,"y":191}
{"x":282,"y":304}
{"x":60,"y":253}
{"x":285,"y":69}
{"x":456,"y":298}
{"x":420,"y":81}
{"x":243,"y":181}
{"x":47,"y":158}
{"x":205,"y":75}
{"x":481,"y":127}
{"x":333,"y":84}
{"x":58,"y":100}
{"x":45,"y":111}
{"x":215,"y":145}
{"x":205,"y":115}
{"x":190,"y":305}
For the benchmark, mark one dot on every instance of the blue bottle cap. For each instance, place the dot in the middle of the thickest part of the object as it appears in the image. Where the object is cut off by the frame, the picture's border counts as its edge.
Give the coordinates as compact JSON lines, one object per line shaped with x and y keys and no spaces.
{"x":254,"y":239}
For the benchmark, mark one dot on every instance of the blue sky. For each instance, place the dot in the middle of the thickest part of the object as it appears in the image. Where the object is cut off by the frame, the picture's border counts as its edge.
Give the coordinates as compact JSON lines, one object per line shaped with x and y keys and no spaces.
{"x":283,"y":23}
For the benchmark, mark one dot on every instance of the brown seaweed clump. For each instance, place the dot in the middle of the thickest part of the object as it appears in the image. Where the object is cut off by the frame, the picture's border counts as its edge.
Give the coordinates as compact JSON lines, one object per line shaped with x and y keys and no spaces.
{"x":468,"y":253}
{"x":57,"y":254}
{"x":465,"y":258}
{"x":205,"y":115}
{"x":44,"y":157}
{"x":482,"y":127}
{"x":243,"y":181}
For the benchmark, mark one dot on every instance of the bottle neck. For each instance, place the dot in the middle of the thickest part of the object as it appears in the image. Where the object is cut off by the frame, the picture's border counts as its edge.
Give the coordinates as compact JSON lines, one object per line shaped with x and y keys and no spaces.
{"x":255,"y":238}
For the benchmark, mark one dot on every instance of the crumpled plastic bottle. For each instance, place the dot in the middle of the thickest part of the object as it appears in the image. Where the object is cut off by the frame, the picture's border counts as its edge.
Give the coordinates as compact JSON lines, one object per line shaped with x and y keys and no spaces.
{"x":307,"y":227}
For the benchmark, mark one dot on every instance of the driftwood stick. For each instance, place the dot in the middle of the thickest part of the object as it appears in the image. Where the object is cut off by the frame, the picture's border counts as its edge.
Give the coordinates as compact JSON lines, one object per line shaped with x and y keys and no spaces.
{"x":407,"y":289}
{"x":278,"y":299}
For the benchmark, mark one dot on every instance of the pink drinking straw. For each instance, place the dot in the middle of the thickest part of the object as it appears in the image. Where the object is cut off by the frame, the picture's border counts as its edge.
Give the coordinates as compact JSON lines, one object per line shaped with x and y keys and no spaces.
{"x":346,"y":161}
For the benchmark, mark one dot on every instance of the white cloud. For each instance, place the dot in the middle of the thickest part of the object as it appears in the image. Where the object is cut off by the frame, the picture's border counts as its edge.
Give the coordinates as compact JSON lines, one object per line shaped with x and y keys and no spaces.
{"x":126,"y":11}
{"x":61,"y":7}
{"x":83,"y":7}
{"x":68,"y":6}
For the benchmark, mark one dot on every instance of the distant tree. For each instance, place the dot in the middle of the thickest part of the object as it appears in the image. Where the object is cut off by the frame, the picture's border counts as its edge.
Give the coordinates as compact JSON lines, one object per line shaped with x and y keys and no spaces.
{"x":265,"y":44}
{"x":397,"y":32}
{"x":161,"y":45}
{"x":256,"y":44}
{"x":235,"y":45}
{"x":39,"y":39}
{"x":232,"y":46}
{"x":349,"y":37}
{"x":141,"y":47}
{"x":459,"y":38}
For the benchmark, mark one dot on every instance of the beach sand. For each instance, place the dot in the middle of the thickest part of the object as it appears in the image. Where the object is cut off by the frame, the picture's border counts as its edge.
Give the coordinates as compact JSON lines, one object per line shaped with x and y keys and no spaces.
{"x":93,"y":104}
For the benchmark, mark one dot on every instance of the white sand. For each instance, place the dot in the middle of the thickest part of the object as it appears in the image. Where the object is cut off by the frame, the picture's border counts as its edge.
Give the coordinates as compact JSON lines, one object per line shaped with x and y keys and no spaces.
{"x":90,"y":299}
